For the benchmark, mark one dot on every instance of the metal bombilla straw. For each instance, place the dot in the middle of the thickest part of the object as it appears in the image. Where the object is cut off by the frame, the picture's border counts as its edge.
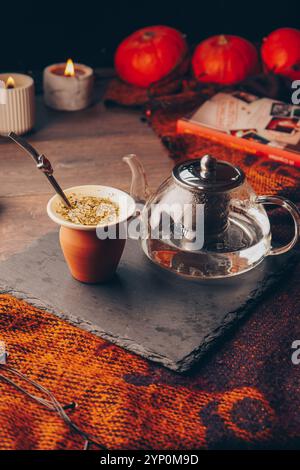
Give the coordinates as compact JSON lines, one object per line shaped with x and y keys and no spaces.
{"x":42,"y":164}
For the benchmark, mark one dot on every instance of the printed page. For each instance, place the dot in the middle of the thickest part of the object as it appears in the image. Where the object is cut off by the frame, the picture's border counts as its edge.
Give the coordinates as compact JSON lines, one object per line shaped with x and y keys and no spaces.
{"x":245,"y":115}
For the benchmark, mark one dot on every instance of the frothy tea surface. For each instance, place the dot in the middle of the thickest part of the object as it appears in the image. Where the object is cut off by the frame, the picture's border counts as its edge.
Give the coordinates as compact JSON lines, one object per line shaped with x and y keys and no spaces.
{"x":89,"y":210}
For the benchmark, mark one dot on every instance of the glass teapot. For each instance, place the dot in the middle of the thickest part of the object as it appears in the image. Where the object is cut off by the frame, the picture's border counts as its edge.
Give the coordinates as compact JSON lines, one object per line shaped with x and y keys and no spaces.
{"x":205,"y":221}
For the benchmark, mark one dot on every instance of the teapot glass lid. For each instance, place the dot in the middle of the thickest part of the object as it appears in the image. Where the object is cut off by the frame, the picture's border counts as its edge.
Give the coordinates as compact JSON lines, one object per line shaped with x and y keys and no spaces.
{"x":208,"y":174}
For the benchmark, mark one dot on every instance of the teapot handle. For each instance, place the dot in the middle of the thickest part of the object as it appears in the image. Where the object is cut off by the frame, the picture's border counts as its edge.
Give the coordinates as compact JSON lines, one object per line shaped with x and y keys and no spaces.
{"x":293,"y":210}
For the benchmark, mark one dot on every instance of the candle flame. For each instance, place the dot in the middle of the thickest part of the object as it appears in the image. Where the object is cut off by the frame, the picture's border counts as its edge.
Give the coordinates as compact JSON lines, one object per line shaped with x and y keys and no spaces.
{"x":70,"y":69}
{"x":10,"y":83}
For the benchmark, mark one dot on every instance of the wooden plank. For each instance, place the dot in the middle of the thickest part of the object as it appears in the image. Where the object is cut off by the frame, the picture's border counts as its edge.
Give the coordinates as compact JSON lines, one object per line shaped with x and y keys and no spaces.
{"x":92,"y":160}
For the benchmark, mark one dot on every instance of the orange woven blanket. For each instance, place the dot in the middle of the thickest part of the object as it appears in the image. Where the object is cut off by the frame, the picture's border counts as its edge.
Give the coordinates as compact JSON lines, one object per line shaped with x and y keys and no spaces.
{"x":245,"y":394}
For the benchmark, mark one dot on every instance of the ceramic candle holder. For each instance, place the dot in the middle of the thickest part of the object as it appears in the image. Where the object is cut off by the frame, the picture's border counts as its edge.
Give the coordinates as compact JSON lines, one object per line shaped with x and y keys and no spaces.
{"x":68,"y":93}
{"x":17,"y":104}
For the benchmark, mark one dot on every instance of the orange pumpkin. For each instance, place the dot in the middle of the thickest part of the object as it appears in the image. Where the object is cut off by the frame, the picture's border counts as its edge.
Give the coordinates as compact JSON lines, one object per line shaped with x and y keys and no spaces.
{"x":224,"y":59}
{"x":150,"y":54}
{"x":281,"y":52}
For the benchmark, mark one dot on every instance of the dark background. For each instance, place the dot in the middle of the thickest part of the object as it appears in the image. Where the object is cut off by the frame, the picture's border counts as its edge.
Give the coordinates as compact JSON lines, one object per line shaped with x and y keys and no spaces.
{"x":37,"y":33}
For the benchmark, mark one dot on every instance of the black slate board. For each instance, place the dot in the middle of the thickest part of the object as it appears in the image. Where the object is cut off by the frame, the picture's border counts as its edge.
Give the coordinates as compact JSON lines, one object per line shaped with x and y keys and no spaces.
{"x":147,"y":310}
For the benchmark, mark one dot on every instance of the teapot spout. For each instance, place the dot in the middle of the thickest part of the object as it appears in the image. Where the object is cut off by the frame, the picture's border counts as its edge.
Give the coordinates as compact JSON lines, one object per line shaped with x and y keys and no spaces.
{"x":139,"y":189}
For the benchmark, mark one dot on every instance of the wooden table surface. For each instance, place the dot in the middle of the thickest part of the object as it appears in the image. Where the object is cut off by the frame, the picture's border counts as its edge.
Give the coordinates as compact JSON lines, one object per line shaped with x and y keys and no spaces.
{"x":84,"y":147}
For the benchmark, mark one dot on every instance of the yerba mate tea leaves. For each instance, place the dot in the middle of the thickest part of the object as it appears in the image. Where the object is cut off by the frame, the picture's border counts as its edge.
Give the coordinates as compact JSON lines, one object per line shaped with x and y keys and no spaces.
{"x":89,"y":210}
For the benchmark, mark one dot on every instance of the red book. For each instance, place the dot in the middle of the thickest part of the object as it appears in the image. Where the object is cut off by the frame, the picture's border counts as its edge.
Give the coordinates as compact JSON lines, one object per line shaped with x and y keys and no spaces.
{"x":255,"y":125}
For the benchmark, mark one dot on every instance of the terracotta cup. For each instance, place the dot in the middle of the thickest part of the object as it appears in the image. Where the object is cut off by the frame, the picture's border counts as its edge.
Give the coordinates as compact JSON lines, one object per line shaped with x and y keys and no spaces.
{"x":91,"y":259}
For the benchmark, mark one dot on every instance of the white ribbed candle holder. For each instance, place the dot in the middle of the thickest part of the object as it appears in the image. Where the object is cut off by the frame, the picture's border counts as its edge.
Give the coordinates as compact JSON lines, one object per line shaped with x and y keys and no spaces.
{"x":17,"y":105}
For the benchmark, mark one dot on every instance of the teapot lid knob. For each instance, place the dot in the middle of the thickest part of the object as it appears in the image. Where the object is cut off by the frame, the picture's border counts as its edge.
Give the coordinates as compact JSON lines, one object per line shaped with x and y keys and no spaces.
{"x":208,"y":167}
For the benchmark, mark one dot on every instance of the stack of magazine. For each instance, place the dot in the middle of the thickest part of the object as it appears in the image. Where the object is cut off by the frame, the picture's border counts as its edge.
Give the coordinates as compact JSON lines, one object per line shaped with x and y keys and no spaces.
{"x":257,"y":125}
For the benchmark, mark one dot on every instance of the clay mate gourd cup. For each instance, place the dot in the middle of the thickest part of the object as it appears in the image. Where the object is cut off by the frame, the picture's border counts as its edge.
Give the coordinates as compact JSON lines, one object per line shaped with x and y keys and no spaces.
{"x":90,"y":259}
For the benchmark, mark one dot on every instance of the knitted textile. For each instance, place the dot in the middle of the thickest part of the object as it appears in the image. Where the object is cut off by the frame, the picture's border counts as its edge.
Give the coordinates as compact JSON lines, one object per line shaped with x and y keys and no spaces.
{"x":245,"y":394}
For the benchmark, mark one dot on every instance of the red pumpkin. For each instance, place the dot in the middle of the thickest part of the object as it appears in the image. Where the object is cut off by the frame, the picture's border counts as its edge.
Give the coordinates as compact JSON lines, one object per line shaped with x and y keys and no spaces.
{"x":281,"y":52}
{"x":149,"y":54}
{"x":224,"y":59}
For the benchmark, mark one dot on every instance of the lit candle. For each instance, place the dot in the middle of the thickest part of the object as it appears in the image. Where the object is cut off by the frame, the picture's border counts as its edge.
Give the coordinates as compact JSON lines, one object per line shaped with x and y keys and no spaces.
{"x":10,"y":83}
{"x":69,"y":86}
{"x":17,"y":105}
